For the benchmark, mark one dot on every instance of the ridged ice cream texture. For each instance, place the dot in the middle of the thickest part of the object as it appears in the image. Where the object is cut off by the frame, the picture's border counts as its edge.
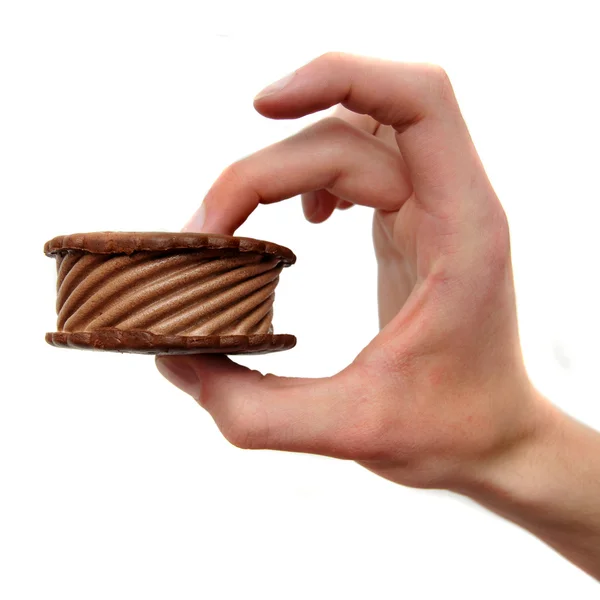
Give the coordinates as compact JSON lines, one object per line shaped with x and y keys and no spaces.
{"x":174,"y":292}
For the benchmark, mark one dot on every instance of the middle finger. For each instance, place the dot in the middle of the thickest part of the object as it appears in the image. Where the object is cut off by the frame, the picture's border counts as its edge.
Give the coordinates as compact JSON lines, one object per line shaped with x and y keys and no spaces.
{"x":320,"y":204}
{"x":330,"y":155}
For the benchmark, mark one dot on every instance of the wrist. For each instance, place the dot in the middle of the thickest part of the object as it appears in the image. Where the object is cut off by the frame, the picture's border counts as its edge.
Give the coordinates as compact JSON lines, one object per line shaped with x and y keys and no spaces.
{"x":514,"y":471}
{"x":548,"y":482}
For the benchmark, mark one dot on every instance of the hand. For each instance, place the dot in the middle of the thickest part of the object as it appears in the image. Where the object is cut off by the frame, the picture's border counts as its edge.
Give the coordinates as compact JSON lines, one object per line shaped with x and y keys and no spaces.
{"x":442,"y":389}
{"x":440,"y":398}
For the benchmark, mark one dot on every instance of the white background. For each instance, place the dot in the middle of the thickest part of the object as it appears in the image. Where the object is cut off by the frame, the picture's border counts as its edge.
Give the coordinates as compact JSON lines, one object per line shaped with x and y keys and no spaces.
{"x":119,"y":115}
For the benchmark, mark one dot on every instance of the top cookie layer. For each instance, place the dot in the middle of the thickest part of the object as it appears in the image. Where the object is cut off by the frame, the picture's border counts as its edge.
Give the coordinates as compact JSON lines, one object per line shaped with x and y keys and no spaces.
{"x":125,"y":242}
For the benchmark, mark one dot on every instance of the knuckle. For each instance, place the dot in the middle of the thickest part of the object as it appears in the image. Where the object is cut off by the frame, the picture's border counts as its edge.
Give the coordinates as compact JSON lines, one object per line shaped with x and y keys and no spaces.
{"x":332,"y":57}
{"x":247,"y":428}
{"x":243,"y":435}
{"x":438,"y":81}
{"x":334,"y":137}
{"x":436,"y":74}
{"x":233,"y":173}
{"x":333,"y":127}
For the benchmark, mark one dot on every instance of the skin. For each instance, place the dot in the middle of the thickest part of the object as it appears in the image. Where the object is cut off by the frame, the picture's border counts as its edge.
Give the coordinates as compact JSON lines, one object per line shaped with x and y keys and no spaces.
{"x":440,"y":398}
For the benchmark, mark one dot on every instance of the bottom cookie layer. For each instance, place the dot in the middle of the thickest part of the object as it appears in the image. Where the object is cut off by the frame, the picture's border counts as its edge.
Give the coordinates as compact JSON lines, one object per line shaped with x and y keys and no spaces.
{"x":144,"y":342}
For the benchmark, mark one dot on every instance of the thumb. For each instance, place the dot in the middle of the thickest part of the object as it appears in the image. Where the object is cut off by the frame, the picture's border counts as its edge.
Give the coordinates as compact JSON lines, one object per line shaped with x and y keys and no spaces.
{"x":269,"y":412}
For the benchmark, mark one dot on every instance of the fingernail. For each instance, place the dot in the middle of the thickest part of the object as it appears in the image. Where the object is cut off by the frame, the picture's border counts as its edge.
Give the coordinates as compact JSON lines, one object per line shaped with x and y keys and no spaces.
{"x":310,"y":205}
{"x":197,"y":220}
{"x":179,"y":372}
{"x":275,"y":87}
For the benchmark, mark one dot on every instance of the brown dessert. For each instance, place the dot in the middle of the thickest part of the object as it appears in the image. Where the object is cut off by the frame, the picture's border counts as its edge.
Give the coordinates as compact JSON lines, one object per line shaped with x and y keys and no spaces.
{"x":172,"y":293}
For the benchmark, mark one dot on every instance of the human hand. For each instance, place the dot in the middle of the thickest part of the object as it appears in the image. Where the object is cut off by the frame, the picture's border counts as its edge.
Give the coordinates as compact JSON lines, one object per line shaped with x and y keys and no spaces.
{"x":441,"y":390}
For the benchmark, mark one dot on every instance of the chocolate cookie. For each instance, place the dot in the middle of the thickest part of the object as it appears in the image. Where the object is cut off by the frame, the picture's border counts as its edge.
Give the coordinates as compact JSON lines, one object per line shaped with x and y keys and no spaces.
{"x":167,"y":293}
